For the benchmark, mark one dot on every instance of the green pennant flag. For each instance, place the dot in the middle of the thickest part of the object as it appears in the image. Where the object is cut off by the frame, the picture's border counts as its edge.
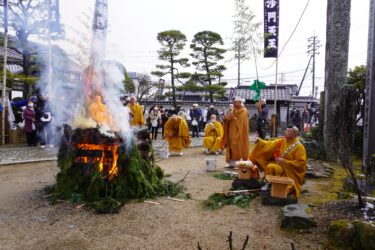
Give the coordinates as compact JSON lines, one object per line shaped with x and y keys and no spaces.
{"x":257,"y":86}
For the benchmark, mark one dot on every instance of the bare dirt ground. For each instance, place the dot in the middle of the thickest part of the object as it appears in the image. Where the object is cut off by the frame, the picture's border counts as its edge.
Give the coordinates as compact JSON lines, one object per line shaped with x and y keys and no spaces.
{"x":28,"y":221}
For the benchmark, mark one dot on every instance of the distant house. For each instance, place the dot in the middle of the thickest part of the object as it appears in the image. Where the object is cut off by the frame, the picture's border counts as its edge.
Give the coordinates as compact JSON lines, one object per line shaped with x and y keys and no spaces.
{"x":134,"y":76}
{"x":185,"y":92}
{"x":62,"y":66}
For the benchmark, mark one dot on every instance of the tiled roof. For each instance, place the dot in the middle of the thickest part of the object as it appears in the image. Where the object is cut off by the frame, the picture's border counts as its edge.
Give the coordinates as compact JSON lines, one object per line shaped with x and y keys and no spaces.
{"x":284,"y":92}
{"x":12,"y":54}
{"x":14,"y":68}
{"x":133,"y":75}
{"x":303,"y":99}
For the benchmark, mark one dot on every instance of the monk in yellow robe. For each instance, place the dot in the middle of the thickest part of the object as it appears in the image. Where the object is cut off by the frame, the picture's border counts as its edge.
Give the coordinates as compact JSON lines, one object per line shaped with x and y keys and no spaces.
{"x":282,"y":157}
{"x":213,"y":133}
{"x":176,"y":132}
{"x":236,"y":133}
{"x":136,"y":113}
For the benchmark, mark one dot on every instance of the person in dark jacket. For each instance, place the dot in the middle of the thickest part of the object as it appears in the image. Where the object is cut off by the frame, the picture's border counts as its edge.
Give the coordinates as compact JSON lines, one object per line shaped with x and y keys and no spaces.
{"x":43,"y":120}
{"x":212,"y":111}
{"x":29,"y":118}
{"x":195,"y":115}
{"x":262,"y":118}
{"x":296,"y":119}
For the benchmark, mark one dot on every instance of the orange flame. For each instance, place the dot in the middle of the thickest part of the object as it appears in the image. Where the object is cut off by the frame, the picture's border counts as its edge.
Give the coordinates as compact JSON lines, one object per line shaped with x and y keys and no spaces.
{"x":105,"y":163}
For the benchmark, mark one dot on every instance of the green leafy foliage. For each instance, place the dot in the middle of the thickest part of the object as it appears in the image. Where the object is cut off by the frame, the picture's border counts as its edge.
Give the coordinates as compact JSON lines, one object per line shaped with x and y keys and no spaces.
{"x":128,"y":83}
{"x":172,"y":42}
{"x":217,"y":201}
{"x":357,"y":77}
{"x":136,"y":179}
{"x":207,"y":54}
{"x":223,"y":176}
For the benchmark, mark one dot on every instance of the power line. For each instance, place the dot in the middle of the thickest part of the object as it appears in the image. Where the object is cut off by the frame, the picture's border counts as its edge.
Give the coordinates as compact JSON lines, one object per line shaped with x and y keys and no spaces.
{"x":253,"y":77}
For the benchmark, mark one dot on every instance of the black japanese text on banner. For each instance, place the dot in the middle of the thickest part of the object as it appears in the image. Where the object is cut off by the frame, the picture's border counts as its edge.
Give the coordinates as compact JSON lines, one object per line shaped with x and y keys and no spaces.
{"x":6,"y":16}
{"x":271,"y":28}
{"x":54,"y":16}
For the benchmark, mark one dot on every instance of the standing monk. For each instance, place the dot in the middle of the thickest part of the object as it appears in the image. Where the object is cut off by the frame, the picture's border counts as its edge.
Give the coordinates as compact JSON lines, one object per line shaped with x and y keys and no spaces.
{"x":213,"y":134}
{"x":176,"y":132}
{"x":136,"y":113}
{"x":282,"y":157}
{"x":236,"y":133}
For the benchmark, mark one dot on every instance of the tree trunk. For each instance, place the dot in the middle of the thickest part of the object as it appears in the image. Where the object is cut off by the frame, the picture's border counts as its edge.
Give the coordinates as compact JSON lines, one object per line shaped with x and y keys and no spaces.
{"x":208,"y":72}
{"x":173,"y":88}
{"x":337,"y":46}
{"x":369,"y":117}
{"x":23,"y":38}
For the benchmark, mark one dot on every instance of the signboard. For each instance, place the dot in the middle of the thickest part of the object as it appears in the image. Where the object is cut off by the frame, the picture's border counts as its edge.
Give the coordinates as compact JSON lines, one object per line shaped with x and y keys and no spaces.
{"x":271,"y":28}
{"x":54,"y":13}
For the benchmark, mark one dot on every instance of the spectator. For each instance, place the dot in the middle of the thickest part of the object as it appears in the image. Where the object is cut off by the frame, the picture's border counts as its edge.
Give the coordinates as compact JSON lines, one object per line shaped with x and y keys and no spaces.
{"x":195,"y":115}
{"x":164,"y":118}
{"x":204,"y":118}
{"x":306,"y":119}
{"x":262,"y":118}
{"x":155,"y":118}
{"x":43,"y":120}
{"x":212,"y":111}
{"x":296,"y":119}
{"x":30,"y":129}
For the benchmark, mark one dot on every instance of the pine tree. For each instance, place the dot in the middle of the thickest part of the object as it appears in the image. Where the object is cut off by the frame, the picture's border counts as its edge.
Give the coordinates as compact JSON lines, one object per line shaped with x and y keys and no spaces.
{"x":207,"y":55}
{"x":173,"y":42}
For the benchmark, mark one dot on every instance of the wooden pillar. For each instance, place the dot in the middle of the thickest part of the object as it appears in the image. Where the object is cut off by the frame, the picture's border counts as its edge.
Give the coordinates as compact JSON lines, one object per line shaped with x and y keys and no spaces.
{"x":369,"y":120}
{"x":336,"y":67}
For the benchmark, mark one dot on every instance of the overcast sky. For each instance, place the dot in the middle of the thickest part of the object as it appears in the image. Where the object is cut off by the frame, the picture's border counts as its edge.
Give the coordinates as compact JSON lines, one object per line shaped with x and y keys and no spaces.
{"x":133,"y":27}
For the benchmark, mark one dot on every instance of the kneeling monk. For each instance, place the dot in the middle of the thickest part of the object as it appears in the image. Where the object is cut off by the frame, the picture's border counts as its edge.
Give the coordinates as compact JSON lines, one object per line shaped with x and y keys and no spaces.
{"x":176,"y":132}
{"x":282,"y":157}
{"x":213,"y":134}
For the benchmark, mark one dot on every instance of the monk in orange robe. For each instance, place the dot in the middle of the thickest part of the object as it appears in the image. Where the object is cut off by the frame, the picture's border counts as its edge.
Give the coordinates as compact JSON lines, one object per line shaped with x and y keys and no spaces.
{"x":176,"y":132}
{"x":136,"y":113}
{"x":282,"y":157}
{"x":236,"y":133}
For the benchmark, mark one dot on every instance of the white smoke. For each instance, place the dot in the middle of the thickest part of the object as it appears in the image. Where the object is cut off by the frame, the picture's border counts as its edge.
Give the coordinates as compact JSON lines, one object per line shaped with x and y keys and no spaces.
{"x":68,"y":100}
{"x":114,"y":88}
{"x":71,"y":97}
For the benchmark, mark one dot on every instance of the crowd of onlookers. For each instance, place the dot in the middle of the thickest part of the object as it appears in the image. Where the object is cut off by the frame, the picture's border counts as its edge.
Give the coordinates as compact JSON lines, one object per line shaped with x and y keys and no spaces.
{"x":37,"y":118}
{"x":196,"y":117}
{"x":306,"y":118}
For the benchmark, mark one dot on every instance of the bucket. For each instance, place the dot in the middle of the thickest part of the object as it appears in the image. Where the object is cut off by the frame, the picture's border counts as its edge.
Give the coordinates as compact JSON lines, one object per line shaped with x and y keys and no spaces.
{"x":163,"y":153}
{"x":210,"y":164}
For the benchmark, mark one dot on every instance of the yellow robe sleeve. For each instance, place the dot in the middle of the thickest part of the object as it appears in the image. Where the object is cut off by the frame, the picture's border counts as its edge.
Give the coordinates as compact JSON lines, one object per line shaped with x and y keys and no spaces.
{"x":183,"y":133}
{"x":262,"y":153}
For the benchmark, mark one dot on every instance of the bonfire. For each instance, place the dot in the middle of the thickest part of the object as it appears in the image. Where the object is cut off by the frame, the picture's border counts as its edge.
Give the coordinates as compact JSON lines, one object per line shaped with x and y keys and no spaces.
{"x":103,"y":161}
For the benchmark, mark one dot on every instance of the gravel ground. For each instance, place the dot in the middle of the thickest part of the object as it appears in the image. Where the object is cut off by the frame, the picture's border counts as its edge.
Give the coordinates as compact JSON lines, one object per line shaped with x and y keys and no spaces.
{"x":28,"y":221}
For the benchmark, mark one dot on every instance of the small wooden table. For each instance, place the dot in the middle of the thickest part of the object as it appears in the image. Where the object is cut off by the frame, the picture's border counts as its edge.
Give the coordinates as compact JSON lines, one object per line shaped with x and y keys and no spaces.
{"x":279,"y":185}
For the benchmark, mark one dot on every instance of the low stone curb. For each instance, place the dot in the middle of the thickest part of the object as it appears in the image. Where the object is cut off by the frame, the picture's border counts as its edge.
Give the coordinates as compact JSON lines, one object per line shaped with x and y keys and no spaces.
{"x":3,"y":163}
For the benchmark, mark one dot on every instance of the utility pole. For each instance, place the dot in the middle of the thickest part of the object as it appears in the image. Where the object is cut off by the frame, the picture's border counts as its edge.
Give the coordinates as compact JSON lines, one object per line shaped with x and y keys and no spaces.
{"x":3,"y":102}
{"x":313,"y":47}
{"x":239,"y":62}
